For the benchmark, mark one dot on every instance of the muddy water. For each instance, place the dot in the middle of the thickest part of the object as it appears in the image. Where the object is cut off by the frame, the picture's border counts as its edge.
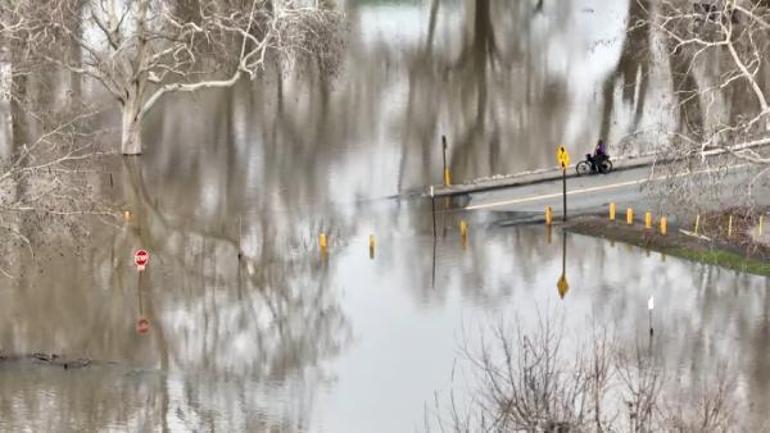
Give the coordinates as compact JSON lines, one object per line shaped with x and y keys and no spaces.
{"x":285,"y":340}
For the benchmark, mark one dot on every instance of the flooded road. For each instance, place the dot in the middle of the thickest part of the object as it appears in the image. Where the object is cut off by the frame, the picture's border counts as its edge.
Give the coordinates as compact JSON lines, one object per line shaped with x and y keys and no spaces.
{"x":348,"y":343}
{"x":252,"y":329}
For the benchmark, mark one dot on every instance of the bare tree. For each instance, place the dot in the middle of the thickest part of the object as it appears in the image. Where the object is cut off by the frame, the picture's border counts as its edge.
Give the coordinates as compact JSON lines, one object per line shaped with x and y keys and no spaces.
{"x":529,"y":382}
{"x":47,"y":187}
{"x":141,"y":50}
{"x":706,"y":408}
{"x":720,"y":57}
{"x":48,"y":183}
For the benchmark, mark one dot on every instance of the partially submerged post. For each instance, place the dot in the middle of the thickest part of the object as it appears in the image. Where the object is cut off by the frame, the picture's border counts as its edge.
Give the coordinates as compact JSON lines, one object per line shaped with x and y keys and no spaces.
{"x":433,"y":209}
{"x":372,"y":244}
{"x":447,"y":174}
{"x":463,"y":228}
{"x":240,"y":235}
{"x":650,"y":307}
{"x":697,"y":224}
{"x":323,"y":244}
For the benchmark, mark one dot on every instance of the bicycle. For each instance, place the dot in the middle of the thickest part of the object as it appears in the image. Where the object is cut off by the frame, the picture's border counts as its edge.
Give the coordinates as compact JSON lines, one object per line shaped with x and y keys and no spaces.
{"x":589,"y":166}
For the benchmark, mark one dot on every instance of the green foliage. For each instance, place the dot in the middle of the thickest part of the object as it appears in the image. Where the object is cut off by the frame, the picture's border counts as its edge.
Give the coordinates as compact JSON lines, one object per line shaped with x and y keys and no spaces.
{"x":725,"y":259}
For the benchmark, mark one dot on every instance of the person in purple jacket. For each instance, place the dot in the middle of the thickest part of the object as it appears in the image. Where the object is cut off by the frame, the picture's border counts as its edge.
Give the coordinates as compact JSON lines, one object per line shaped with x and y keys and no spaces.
{"x":599,"y":156}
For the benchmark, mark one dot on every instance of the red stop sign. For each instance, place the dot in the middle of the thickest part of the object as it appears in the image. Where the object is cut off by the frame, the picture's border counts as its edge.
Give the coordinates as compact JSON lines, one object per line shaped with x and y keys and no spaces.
{"x":141,"y":258}
{"x":142,"y":326}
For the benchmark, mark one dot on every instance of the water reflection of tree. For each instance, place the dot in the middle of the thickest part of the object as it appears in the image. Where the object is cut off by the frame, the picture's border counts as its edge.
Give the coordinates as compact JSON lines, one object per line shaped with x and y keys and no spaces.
{"x":269,"y":318}
{"x":280,"y":304}
{"x":473,"y":90}
{"x":633,"y":67}
{"x":119,"y":399}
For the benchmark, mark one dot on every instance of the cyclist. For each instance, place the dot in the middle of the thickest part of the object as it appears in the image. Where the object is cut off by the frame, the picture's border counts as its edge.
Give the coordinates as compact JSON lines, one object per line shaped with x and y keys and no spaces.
{"x":600,"y":155}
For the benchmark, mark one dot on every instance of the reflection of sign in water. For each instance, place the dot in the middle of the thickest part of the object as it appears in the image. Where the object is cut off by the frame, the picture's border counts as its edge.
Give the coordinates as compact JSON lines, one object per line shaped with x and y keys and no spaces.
{"x":562,"y":157}
{"x":563,"y":286}
{"x":141,"y":258}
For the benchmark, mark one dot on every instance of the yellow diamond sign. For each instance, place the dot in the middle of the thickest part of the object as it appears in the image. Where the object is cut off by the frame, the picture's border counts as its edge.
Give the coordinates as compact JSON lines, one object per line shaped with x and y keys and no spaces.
{"x":562,"y":157}
{"x":563,"y":286}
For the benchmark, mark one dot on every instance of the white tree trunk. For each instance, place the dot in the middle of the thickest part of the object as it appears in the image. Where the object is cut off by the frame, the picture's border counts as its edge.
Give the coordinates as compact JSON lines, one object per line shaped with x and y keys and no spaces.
{"x":131,"y":129}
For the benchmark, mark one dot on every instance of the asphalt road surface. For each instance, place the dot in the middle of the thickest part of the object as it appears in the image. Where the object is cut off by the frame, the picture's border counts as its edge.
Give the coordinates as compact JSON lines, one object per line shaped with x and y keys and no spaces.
{"x":588,"y":194}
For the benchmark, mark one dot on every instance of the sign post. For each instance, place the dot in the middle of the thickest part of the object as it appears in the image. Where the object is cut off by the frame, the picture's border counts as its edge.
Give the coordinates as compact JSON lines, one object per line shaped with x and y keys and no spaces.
{"x":141,"y":259}
{"x":650,"y":307}
{"x":447,"y":174}
{"x":433,"y":209}
{"x":562,"y":156}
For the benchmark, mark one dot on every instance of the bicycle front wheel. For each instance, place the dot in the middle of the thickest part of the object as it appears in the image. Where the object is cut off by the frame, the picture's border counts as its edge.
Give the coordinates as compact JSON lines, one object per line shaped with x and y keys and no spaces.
{"x":606,"y":166}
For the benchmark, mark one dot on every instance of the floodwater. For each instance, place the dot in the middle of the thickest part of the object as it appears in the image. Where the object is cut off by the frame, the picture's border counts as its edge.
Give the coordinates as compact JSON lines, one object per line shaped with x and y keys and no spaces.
{"x":288,"y":340}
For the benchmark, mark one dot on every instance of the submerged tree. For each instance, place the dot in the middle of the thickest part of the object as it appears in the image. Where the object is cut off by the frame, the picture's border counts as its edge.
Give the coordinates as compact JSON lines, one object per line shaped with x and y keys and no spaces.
{"x":47,"y":178}
{"x":141,"y":50}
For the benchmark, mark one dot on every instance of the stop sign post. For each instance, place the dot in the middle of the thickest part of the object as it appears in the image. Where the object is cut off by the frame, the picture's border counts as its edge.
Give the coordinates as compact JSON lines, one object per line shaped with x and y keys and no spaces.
{"x":141,"y":259}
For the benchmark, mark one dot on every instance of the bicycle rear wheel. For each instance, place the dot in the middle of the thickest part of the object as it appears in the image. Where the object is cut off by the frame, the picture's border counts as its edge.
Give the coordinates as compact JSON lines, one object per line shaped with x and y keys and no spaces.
{"x":582,"y":168}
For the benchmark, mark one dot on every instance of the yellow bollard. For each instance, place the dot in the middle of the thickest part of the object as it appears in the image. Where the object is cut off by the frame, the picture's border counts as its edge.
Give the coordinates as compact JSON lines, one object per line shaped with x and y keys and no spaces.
{"x":447,"y":177}
{"x":761,"y":223}
{"x":612,"y":211}
{"x":664,"y":226}
{"x":697,"y":223}
{"x":548,"y":215}
{"x":648,"y":220}
{"x":372,"y":246}
{"x":629,"y":216}
{"x":730,"y":227}
{"x":322,"y":242}
{"x":464,"y":232}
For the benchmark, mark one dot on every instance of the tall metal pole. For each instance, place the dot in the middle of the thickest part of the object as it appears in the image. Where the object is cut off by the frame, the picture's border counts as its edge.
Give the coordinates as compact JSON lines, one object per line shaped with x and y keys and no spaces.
{"x":446,"y":174}
{"x":564,"y":185}
{"x":444,"y":146}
